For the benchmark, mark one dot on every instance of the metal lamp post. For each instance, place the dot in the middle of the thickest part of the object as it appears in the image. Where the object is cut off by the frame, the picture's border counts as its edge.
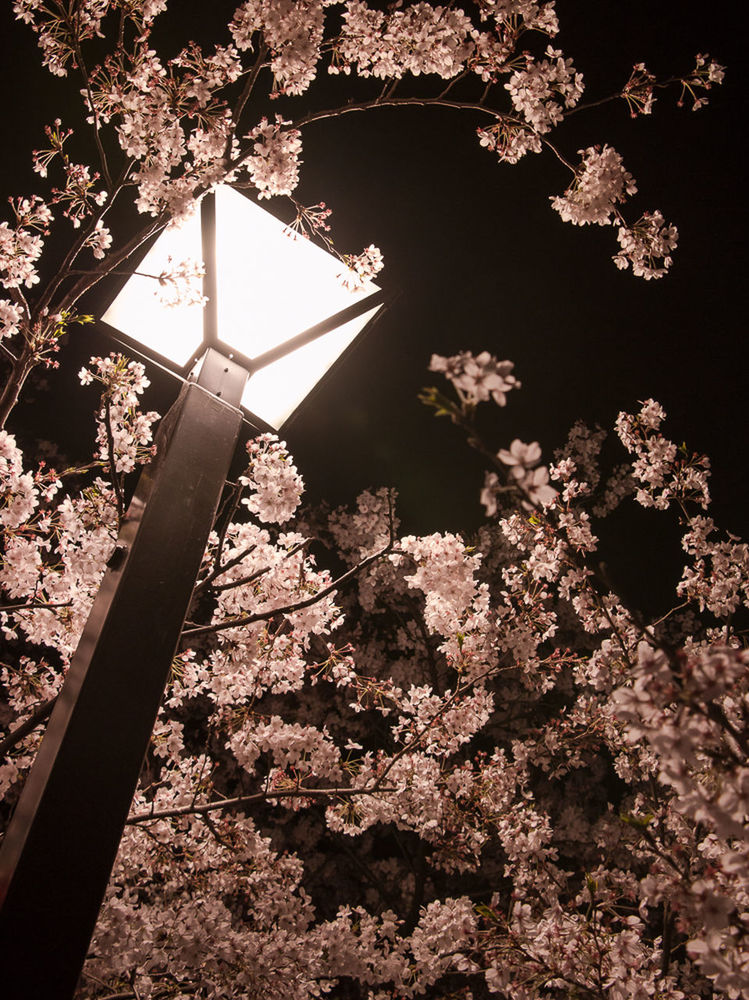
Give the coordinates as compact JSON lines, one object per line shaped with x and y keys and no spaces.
{"x":284,"y":317}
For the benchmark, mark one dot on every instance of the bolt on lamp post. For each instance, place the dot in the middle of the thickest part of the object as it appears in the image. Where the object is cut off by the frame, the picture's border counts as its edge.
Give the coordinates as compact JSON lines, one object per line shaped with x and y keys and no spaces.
{"x":284,"y":317}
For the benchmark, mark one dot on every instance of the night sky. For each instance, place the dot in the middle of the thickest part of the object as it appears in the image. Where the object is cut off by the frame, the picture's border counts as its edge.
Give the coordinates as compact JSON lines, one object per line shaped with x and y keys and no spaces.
{"x":482,"y":262}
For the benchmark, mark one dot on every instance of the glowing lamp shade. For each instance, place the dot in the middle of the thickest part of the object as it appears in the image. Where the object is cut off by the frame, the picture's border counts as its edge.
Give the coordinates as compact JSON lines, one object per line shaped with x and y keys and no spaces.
{"x":265,"y":287}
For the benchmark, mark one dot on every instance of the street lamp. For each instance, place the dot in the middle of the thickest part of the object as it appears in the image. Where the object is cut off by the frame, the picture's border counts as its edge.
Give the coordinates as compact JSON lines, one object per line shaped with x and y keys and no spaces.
{"x":278,"y":314}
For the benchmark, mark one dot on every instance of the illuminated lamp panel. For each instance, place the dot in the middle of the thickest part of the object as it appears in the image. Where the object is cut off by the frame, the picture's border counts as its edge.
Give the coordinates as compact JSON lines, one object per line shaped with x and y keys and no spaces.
{"x":138,"y":311}
{"x":273,"y":393}
{"x":272,"y":284}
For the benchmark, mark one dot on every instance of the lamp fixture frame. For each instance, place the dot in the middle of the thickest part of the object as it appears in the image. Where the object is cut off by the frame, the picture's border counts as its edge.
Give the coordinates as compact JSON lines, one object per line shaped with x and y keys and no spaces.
{"x":211,"y":339}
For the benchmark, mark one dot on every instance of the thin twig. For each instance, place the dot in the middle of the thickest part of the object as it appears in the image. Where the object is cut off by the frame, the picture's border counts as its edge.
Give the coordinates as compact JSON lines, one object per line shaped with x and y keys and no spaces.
{"x":34,"y":606}
{"x":21,"y":732}
{"x":258,"y":572}
{"x":89,"y":97}
{"x":116,"y":484}
{"x":220,"y":569}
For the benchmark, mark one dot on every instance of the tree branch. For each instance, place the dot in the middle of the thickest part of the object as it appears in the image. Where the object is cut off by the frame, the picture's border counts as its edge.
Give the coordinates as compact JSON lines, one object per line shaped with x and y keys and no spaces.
{"x":202,"y":809}
{"x":21,"y":732}
{"x":394,"y":102}
{"x":34,"y":605}
{"x":249,"y":84}
{"x":220,"y":569}
{"x":289,"y":608}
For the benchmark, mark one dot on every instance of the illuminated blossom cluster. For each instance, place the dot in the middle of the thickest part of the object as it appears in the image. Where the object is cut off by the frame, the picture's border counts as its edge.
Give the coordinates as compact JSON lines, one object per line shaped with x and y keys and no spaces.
{"x":10,"y":316}
{"x":690,"y":710}
{"x":292,"y":30}
{"x":418,"y":39}
{"x":362,"y":267}
{"x":509,"y":140}
{"x":719,"y":578}
{"x":600,"y":183}
{"x":124,"y":431}
{"x":639,"y":91}
{"x":445,"y":573}
{"x":522,"y":460}
{"x":100,"y":240}
{"x":361,"y":532}
{"x":21,"y":247}
{"x":181,"y":283}
{"x":541,"y":90}
{"x":17,"y":488}
{"x":52,"y":557}
{"x":647,"y":246}
{"x":275,"y":483}
{"x":665,"y":473}
{"x":705,"y":73}
{"x":274,"y":164}
{"x":57,"y":53}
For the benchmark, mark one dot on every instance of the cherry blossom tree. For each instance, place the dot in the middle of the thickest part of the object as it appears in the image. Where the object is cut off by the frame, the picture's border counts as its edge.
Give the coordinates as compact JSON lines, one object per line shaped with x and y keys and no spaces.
{"x":386,"y":766}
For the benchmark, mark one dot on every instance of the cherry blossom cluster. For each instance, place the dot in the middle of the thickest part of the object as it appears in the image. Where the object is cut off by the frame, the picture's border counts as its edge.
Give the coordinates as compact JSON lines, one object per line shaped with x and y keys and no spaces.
{"x":639,"y":91}
{"x":181,"y":283}
{"x":124,"y":431}
{"x":362,"y":267}
{"x":509,"y":140}
{"x":419,"y":39}
{"x":78,"y":195}
{"x":274,"y":163}
{"x":647,"y":246}
{"x":21,"y":247}
{"x":666,"y":473}
{"x":705,"y":73}
{"x":52,"y":558}
{"x":292,"y":31}
{"x":522,"y":460}
{"x":275,"y":483}
{"x":692,"y":710}
{"x":546,"y":86}
{"x":477,"y":378}
{"x":19,"y":494}
{"x":719,"y":578}
{"x":100,"y":240}
{"x":10,"y":317}
{"x":600,"y":182}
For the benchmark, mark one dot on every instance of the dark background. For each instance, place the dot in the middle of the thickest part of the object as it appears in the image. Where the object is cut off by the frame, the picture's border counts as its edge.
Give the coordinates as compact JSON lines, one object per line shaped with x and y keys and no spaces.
{"x":482,"y":262}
